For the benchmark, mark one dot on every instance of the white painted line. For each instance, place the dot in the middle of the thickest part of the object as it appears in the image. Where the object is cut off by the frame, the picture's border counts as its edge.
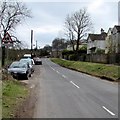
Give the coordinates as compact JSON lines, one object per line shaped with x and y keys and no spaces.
{"x":58,"y":72}
{"x":64,"y":76}
{"x":52,"y":68}
{"x":74,"y":84}
{"x":108,"y":111}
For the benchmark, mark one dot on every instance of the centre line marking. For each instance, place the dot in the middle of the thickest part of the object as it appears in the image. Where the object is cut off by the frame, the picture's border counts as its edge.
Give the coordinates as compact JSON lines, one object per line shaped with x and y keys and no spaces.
{"x":57,"y":72}
{"x":64,"y":76}
{"x":108,"y":111}
{"x":52,"y":68}
{"x":74,"y":84}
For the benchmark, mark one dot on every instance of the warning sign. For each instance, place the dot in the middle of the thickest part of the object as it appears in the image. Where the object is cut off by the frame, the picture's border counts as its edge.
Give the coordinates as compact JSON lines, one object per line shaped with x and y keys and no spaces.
{"x":7,"y":38}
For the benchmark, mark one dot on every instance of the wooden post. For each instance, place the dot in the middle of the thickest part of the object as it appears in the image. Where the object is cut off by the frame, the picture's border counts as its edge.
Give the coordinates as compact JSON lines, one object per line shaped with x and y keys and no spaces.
{"x":31,"y":42}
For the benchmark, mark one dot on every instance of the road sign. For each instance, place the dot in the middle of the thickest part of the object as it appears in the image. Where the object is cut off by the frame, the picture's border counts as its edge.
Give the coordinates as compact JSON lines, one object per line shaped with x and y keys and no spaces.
{"x":7,"y":38}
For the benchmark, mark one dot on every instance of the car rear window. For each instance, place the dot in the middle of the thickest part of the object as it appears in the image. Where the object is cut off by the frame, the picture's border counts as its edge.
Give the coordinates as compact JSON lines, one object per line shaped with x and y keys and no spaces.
{"x":18,"y":65}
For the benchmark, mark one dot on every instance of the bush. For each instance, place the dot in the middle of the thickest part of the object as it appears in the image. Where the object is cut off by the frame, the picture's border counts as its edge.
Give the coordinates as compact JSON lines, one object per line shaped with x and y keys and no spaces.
{"x":67,"y":52}
{"x":73,"y":57}
{"x":83,"y":49}
{"x":100,"y":51}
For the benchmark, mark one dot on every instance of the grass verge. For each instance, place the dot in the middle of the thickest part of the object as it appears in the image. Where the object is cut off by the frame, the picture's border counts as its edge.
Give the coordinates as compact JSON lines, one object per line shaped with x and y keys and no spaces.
{"x":13,"y":93}
{"x":107,"y":71}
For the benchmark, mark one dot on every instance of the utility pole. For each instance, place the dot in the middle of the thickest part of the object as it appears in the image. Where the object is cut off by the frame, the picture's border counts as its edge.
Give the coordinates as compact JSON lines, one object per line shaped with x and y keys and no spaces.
{"x":31,"y":42}
{"x":36,"y":44}
{"x":118,"y":24}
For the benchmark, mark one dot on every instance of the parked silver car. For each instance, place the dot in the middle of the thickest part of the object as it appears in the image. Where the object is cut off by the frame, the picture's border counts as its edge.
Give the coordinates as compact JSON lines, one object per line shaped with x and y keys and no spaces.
{"x":29,"y":61}
{"x":19,"y":70}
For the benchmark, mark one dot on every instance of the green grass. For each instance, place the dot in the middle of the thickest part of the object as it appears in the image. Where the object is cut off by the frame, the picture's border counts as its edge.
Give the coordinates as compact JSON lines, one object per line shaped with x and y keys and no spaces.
{"x":13,"y":94}
{"x":96,"y":69}
{"x":0,"y":100}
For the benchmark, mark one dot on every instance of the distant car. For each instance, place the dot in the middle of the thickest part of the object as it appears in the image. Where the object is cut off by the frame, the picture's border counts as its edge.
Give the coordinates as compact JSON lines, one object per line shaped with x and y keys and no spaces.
{"x":30,"y":61}
{"x":27,"y":56}
{"x":19,"y":70}
{"x":37,"y":61}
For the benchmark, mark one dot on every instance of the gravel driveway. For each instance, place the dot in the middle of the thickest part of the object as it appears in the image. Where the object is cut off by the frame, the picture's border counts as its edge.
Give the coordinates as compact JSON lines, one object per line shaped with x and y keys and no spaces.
{"x":26,"y":109}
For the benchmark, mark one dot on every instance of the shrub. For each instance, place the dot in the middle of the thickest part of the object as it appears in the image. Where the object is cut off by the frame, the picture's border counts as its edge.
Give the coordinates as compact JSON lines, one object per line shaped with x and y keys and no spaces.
{"x":73,"y":57}
{"x":100,"y":51}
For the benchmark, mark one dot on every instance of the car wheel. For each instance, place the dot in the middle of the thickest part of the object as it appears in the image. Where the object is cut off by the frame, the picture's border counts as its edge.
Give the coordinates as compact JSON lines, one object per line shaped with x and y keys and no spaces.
{"x":26,"y":76}
{"x":15,"y":77}
{"x":29,"y":75}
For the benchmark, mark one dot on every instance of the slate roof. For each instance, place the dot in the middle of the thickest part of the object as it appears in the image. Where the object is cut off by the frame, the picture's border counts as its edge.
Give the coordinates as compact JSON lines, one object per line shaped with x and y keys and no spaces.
{"x":101,"y":36}
{"x":117,"y":27}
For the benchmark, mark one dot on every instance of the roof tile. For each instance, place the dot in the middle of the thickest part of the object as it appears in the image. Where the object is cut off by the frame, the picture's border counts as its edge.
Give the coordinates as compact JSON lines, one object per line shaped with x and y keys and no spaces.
{"x":101,"y":36}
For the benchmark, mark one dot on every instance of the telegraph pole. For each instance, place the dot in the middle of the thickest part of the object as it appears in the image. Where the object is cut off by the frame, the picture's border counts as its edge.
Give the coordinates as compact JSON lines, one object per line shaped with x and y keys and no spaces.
{"x":119,"y":24}
{"x":36,"y":44}
{"x":31,"y":42}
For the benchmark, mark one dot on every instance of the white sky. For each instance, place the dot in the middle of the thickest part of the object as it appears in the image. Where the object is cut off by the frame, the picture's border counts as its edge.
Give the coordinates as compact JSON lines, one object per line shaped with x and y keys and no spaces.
{"x":48,"y":18}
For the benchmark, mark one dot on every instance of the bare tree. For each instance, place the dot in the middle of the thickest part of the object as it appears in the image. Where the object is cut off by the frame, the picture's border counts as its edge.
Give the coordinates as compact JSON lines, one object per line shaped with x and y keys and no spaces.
{"x":77,"y":25}
{"x":69,"y":31}
{"x":11,"y":14}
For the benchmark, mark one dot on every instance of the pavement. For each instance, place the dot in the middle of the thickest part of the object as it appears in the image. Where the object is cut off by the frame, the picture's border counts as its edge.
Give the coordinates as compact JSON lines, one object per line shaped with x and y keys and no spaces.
{"x":64,"y":93}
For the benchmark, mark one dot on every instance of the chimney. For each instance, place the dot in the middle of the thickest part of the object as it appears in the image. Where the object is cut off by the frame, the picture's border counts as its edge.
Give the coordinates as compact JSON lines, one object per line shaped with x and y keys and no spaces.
{"x":102,"y":31}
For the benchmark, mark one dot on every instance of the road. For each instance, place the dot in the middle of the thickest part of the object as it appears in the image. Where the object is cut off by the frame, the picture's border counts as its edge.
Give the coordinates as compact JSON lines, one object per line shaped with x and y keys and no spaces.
{"x":65,"y":93}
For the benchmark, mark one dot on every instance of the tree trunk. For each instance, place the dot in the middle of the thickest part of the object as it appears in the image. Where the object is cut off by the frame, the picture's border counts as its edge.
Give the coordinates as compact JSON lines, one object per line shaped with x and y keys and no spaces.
{"x":78,"y":38}
{"x":3,"y":56}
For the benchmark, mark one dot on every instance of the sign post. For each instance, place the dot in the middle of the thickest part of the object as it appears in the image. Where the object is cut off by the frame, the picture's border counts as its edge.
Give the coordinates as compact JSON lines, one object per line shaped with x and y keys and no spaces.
{"x":6,"y":41}
{"x":31,"y":42}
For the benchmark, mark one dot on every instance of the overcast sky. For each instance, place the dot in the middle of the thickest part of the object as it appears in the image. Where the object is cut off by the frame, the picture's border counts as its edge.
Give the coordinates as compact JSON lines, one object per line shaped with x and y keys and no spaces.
{"x":48,"y":18}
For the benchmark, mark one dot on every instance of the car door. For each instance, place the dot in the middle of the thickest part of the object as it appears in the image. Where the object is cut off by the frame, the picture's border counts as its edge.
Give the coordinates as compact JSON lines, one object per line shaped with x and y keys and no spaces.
{"x":29,"y":70}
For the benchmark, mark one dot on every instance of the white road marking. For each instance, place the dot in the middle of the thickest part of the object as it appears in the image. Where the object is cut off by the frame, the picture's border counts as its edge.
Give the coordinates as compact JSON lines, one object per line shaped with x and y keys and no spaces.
{"x":108,"y":111}
{"x":58,"y":72}
{"x":74,"y":84}
{"x":52,"y":68}
{"x":64,"y":76}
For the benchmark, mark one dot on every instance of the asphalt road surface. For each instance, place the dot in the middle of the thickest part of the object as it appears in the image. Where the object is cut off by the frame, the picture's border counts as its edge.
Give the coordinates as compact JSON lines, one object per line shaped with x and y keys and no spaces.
{"x":65,"y":93}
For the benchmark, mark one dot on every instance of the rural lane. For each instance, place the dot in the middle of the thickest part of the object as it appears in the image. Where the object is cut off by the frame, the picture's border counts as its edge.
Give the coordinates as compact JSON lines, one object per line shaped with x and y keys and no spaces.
{"x":64,"y":93}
